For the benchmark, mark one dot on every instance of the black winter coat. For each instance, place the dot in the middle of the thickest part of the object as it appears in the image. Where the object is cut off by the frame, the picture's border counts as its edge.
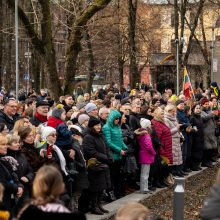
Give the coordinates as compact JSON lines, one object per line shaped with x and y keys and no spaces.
{"x":32,"y":155}
{"x":35,"y":121}
{"x":10,"y":184}
{"x":24,"y":168}
{"x":81,"y":181}
{"x":94,"y":146}
{"x":197,"y":137}
{"x":134,"y":121}
{"x":8,"y":121}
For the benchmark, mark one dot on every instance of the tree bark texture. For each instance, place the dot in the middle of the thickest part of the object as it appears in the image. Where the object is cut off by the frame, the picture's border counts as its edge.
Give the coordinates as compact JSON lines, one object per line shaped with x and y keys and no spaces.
{"x":43,"y":45}
{"x":195,"y":23}
{"x":132,"y":12}
{"x":90,"y":74}
{"x":75,"y":43}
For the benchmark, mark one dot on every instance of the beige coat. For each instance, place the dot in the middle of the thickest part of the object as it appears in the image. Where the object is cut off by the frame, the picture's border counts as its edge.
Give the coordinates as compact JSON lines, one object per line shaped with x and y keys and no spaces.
{"x":172,"y":123}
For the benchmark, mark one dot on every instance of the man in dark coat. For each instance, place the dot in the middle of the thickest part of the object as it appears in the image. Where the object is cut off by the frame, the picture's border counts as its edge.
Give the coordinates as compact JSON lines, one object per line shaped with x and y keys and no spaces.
{"x":134,"y":120}
{"x":8,"y":115}
{"x":40,"y":117}
{"x":184,"y":121}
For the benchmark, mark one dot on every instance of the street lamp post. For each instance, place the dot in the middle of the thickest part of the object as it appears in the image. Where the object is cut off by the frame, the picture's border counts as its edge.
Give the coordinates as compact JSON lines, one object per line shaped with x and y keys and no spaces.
{"x":16,"y":48}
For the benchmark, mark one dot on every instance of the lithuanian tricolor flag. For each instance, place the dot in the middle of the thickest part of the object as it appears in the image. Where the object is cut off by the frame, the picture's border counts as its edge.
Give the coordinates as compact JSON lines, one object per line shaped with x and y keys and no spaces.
{"x":187,"y":87}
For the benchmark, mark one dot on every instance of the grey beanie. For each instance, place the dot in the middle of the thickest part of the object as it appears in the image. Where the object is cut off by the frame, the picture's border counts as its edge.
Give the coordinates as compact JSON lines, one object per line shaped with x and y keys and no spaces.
{"x":90,"y":107}
{"x":80,"y":105}
{"x":57,"y":111}
{"x":82,"y":118}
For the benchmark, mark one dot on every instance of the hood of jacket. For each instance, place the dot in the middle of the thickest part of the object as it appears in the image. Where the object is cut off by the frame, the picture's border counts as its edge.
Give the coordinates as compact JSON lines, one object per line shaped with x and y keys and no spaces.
{"x":54,"y":122}
{"x":112,"y":116}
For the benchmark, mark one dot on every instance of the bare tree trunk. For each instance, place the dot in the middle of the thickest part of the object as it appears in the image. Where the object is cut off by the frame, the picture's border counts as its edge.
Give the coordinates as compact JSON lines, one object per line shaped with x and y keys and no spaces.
{"x":47,"y":38}
{"x":36,"y":69}
{"x":182,"y":26}
{"x":45,"y":45}
{"x":120,"y":58}
{"x":132,"y":12}
{"x":195,"y":23}
{"x":90,"y":74}
{"x":75,"y":43}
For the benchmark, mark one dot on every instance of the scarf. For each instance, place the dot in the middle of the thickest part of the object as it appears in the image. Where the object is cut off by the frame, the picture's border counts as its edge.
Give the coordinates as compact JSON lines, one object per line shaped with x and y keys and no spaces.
{"x":41,"y":117}
{"x":61,"y":158}
{"x":13,"y":163}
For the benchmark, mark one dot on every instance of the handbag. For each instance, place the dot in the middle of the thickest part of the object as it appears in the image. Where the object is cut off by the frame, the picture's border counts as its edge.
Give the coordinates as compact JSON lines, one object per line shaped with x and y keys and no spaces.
{"x":94,"y":165}
{"x":188,"y":129}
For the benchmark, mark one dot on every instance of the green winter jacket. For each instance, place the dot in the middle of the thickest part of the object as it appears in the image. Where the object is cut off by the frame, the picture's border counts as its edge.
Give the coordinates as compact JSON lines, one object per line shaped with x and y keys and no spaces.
{"x":113,"y":135}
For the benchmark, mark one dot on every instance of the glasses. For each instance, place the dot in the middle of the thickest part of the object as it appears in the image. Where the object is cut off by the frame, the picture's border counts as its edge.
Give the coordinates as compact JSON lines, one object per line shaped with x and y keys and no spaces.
{"x":12,"y":106}
{"x":117,"y":119}
{"x":53,"y":135}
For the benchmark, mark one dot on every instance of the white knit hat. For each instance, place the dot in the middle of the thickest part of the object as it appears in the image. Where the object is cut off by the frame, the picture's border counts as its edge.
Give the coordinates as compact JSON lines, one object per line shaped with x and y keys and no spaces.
{"x":46,"y":131}
{"x":145,"y":123}
{"x":75,"y":127}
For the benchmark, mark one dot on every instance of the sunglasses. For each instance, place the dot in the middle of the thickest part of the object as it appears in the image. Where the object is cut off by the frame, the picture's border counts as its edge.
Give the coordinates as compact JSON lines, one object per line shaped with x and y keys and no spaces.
{"x":117,"y":118}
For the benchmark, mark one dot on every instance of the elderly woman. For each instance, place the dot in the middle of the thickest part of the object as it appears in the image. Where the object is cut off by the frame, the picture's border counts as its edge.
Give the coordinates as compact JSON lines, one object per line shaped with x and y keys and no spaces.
{"x":171,"y":121}
{"x":165,"y":150}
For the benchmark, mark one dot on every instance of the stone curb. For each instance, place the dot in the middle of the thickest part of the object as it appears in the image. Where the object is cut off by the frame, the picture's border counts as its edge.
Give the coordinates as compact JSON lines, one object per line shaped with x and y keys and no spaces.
{"x":133,"y":197}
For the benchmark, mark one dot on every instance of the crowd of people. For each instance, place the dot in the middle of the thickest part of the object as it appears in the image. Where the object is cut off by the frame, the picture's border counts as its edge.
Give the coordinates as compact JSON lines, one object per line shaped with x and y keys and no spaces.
{"x":104,"y":145}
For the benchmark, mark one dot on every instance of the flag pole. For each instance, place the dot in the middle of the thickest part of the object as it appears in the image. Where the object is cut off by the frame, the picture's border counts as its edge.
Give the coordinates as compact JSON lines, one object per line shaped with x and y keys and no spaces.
{"x":190,"y":84}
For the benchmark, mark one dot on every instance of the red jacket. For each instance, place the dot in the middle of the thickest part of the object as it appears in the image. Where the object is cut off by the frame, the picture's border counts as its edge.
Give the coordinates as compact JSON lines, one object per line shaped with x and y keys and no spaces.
{"x":164,"y":134}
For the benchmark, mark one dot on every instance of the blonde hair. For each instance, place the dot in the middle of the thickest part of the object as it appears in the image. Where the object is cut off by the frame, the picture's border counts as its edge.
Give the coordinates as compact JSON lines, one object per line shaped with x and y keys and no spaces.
{"x":157,"y":111}
{"x":48,"y":185}
{"x":169,"y":108}
{"x":19,"y":124}
{"x":133,"y":211}
{"x":13,"y":138}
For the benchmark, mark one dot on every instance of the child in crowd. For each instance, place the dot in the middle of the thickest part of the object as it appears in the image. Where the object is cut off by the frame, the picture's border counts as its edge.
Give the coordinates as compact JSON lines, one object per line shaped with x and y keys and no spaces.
{"x":146,"y":153}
